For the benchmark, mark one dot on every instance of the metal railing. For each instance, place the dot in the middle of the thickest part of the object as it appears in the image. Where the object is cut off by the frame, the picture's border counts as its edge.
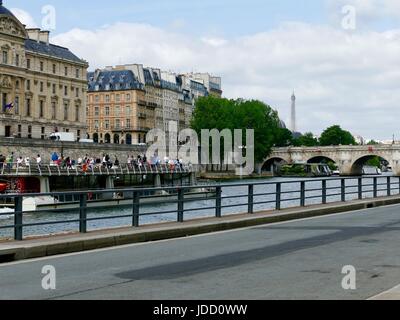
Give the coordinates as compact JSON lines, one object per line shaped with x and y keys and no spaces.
{"x":218,"y":200}
{"x":18,"y":169}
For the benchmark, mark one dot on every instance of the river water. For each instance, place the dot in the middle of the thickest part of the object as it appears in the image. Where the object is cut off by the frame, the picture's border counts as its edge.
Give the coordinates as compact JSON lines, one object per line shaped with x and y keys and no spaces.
{"x":235,"y":196}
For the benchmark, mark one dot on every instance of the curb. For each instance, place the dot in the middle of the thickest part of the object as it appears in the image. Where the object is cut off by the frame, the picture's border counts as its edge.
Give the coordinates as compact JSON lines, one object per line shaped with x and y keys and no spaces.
{"x":44,"y":247}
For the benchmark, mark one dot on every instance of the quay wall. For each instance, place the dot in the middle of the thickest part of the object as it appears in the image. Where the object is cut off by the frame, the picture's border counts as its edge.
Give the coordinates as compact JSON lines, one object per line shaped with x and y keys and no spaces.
{"x":32,"y":147}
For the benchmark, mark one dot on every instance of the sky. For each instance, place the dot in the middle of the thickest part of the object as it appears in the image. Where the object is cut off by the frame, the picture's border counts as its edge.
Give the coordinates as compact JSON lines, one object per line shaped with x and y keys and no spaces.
{"x":340,"y":56}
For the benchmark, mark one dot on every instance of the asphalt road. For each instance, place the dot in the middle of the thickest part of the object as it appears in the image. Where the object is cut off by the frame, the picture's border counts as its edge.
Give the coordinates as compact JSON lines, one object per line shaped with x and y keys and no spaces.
{"x":293,"y":260}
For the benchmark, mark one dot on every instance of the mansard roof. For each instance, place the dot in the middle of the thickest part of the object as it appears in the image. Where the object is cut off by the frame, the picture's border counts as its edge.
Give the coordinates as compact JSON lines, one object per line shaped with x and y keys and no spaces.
{"x":51,"y":50}
{"x":113,"y":80}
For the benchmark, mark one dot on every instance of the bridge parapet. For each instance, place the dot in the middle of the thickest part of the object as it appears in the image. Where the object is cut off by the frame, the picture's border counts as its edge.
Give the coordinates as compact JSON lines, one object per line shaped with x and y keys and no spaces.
{"x":348,"y":158}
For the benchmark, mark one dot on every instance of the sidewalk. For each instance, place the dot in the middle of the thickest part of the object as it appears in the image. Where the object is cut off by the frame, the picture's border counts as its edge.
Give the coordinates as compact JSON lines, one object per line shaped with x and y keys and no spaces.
{"x":392,"y":294}
{"x":76,"y":242}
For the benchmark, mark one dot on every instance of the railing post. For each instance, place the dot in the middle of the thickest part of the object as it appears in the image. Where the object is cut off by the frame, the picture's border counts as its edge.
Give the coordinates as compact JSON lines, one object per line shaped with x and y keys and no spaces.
{"x":323,"y":191}
{"x":360,"y":189}
{"x":218,"y":202}
{"x":18,"y":218}
{"x":181,"y":195}
{"x":135,"y":209}
{"x":343,"y":190}
{"x":251,"y":199}
{"x":278,"y":196}
{"x":302,"y":194}
{"x":375,"y":187}
{"x":83,"y":213}
{"x":389,"y":186}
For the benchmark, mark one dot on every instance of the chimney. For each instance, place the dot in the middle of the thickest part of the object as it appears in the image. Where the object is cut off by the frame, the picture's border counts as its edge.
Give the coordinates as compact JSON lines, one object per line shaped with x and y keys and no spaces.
{"x":44,"y":36}
{"x":34,"y":34}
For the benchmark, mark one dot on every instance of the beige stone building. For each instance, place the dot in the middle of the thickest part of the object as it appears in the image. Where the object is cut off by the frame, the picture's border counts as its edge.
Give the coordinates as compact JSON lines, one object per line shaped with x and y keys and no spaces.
{"x":117,"y":110}
{"x":42,"y":86}
{"x":156,"y":98}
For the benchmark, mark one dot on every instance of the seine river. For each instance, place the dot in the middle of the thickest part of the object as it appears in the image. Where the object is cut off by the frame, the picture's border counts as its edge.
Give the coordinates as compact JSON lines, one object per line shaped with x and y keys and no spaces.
{"x":198,"y":208}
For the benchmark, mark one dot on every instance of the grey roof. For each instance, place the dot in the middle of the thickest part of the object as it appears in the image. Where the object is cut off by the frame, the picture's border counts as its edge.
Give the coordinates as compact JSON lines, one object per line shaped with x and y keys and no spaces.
{"x":5,"y":11}
{"x":51,"y":50}
{"x":113,"y":80}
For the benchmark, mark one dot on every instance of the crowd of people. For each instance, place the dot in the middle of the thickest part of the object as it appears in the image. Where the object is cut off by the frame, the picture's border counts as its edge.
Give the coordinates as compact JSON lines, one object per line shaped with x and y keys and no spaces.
{"x":88,"y":163}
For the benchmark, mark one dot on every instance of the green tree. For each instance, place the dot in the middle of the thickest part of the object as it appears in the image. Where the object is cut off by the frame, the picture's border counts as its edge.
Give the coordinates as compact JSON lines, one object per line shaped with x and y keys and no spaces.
{"x":335,"y":135}
{"x":220,"y":113}
{"x":283,"y":138}
{"x":374,"y":162}
{"x":306,"y":140}
{"x":372,"y":143}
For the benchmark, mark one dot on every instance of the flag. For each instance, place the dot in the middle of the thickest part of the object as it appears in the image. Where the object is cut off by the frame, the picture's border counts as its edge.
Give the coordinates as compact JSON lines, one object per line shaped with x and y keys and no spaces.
{"x":8,"y":106}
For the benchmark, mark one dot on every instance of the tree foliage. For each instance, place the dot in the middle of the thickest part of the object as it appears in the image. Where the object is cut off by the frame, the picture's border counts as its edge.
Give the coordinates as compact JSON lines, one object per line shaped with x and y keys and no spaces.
{"x":335,"y":135}
{"x":220,"y":113}
{"x":306,"y":140}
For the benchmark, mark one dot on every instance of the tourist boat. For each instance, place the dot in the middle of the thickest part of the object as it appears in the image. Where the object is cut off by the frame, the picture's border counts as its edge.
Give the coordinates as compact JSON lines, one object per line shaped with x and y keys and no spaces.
{"x":305,"y":170}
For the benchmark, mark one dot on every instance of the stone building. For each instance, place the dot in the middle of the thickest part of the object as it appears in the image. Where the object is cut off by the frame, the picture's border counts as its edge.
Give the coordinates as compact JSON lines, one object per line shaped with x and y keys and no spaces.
{"x":42,"y":86}
{"x":157,"y":98}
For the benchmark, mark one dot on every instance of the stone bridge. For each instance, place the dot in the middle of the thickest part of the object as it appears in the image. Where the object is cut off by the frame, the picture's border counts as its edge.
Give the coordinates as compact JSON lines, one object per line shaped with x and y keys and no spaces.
{"x":350,"y":159}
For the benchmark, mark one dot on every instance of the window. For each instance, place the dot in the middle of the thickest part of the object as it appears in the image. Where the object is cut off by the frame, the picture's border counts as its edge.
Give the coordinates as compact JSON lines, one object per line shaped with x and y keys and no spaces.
{"x":5,"y":57}
{"x":43,"y":131}
{"x":16,"y":105}
{"x":96,"y":111}
{"x":28,"y":85}
{"x":117,"y":109}
{"x":77,"y":92}
{"x":54,"y":88}
{"x":77,"y":73}
{"x":17,"y":60}
{"x":107,"y":111}
{"x":77,"y":113}
{"x":107,"y":98}
{"x":128,"y":123}
{"x":97,"y":98}
{"x":41,"y":66}
{"x":96,"y":124}
{"x":19,"y":131}
{"x":29,"y":132}
{"x":66,"y":90}
{"x":41,"y":86}
{"x":66,"y":71}
{"x":117,"y":123}
{"x":128,"y":97}
{"x":118,"y":98}
{"x":65,"y":111}
{"x":54,"y":68}
{"x":107,"y":124}
{"x":53,"y":110}
{"x":28,"y":63}
{"x":41,"y":109}
{"x":128,"y":110}
{"x":28,"y":107}
{"x":17,"y":84}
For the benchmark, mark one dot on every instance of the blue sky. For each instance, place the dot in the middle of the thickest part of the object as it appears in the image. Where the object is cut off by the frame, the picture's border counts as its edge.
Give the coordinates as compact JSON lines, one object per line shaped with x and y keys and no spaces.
{"x":221,"y":17}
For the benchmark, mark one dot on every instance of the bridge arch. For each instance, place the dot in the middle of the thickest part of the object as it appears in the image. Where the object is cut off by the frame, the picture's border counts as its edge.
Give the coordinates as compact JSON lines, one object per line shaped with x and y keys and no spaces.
{"x":359,"y":162}
{"x":321,"y":159}
{"x":273,"y":164}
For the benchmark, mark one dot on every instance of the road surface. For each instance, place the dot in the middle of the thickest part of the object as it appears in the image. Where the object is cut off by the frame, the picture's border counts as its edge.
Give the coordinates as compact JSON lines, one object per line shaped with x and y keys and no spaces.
{"x":293,"y":260}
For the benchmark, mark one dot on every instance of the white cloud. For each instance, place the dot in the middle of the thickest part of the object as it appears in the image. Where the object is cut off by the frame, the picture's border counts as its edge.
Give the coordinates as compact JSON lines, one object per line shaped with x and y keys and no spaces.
{"x":339,"y":78}
{"x":24,"y":17}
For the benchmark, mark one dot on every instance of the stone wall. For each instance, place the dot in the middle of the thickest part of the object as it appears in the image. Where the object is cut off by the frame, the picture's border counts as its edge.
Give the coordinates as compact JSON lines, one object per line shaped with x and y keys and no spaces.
{"x":32,"y":147}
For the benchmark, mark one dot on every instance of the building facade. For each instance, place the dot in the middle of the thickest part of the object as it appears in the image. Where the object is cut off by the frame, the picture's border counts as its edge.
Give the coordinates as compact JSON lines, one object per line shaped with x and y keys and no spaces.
{"x":42,"y":86}
{"x":158,"y":98}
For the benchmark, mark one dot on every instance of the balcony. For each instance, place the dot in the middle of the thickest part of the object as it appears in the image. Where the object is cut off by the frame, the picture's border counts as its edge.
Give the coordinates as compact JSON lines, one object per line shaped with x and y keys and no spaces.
{"x":129,"y":129}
